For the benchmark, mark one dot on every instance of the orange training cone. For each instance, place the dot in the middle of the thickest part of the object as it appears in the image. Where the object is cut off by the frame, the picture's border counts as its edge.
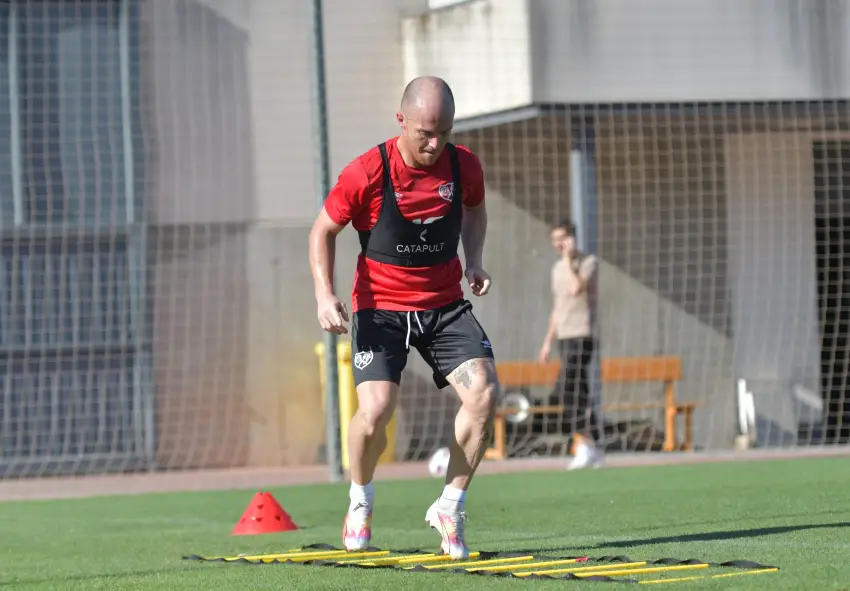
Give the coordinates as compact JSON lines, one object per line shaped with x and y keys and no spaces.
{"x":264,"y":515}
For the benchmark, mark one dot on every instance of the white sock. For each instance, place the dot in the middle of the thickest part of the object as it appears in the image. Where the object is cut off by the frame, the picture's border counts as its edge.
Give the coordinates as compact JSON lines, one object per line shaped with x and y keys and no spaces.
{"x":361,"y":494}
{"x":452,"y":498}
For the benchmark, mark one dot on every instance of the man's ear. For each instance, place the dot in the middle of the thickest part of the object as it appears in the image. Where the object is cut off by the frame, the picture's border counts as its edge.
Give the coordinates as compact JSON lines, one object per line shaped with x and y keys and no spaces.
{"x":400,"y":118}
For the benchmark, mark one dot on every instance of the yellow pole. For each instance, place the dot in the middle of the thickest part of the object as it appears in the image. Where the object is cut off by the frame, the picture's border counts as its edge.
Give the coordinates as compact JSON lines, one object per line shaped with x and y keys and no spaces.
{"x":347,"y":396}
{"x":348,"y":400}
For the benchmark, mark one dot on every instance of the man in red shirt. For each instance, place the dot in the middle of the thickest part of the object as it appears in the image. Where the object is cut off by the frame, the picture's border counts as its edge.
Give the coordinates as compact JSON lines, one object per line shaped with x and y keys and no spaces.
{"x":412,"y":200}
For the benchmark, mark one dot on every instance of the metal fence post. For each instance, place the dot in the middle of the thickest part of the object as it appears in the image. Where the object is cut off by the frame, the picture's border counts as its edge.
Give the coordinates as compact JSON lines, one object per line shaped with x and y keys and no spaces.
{"x":322,"y":165}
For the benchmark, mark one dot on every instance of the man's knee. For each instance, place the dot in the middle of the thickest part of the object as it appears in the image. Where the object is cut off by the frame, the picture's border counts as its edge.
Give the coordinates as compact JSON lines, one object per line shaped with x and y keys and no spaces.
{"x":376,"y":402}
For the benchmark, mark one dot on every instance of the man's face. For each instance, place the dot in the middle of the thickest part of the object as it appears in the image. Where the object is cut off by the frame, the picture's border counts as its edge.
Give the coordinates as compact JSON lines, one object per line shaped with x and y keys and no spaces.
{"x":427,"y":135}
{"x":562,"y":242}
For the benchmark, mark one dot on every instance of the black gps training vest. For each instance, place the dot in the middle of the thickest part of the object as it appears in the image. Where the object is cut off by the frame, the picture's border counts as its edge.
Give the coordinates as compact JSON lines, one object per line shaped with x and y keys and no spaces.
{"x":397,"y":241}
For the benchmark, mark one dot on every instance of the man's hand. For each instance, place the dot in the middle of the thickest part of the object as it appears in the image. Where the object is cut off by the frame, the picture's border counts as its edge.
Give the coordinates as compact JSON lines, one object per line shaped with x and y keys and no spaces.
{"x":545,"y":350}
{"x":331,"y":314}
{"x":479,"y":281}
{"x":570,"y":249}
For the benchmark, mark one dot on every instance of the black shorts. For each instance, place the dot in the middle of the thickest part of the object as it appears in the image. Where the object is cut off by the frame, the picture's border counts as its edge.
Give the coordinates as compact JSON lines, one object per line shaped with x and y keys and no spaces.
{"x":445,"y":338}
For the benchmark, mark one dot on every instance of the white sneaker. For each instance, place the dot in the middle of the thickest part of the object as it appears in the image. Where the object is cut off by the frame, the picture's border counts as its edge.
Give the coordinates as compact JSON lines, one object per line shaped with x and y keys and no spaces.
{"x":586,"y":456}
{"x":357,"y":528}
{"x":449,"y":524}
{"x":598,"y":458}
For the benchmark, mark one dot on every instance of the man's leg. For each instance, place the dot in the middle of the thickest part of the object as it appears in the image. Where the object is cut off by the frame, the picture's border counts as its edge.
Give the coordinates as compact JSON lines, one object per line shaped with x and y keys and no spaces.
{"x":458,"y":350}
{"x":367,"y":432}
{"x":576,"y":356}
{"x":379,"y":356}
{"x":595,"y":425}
{"x":477,"y":385}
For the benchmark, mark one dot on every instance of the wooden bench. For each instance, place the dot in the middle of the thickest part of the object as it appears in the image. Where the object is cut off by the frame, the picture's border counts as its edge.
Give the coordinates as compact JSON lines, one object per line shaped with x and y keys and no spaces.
{"x":667,"y":370}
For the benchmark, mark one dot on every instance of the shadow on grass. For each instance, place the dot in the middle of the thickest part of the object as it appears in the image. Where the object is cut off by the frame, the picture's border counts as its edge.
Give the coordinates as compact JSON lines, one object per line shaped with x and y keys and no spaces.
{"x":735,"y":534}
{"x":833,"y":512}
{"x":95,"y":577}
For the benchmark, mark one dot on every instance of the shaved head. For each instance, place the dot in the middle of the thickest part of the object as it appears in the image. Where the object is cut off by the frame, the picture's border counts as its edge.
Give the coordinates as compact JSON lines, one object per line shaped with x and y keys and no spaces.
{"x":426,"y":118}
{"x":427,"y":89}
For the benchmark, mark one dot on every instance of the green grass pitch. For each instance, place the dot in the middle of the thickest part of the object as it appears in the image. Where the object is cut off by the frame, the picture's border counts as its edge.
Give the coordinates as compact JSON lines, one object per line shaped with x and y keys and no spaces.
{"x":794,"y":514}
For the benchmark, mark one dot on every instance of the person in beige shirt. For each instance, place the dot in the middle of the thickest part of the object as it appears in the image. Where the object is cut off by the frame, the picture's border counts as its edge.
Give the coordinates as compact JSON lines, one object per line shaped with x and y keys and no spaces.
{"x":571,"y":324}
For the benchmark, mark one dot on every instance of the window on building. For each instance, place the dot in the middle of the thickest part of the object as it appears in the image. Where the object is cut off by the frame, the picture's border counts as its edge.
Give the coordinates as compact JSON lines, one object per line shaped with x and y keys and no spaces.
{"x":69,"y":263}
{"x":69,"y":75}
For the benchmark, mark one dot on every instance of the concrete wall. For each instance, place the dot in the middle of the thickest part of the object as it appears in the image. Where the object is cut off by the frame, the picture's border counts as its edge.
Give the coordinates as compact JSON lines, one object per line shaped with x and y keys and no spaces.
{"x":508,"y":53}
{"x":197,"y":113}
{"x":636,"y":321}
{"x":773,"y":275}
{"x":364,"y":85}
{"x":664,"y":50}
{"x":231,"y":188}
{"x":661,"y":190}
{"x":479,"y":47}
{"x":200,"y":313}
{"x":199,"y":178}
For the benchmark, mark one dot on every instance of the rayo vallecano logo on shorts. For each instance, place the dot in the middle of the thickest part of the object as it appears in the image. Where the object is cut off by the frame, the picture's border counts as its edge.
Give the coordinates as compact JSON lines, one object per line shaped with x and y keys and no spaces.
{"x":363,"y":358}
{"x":447,"y":191}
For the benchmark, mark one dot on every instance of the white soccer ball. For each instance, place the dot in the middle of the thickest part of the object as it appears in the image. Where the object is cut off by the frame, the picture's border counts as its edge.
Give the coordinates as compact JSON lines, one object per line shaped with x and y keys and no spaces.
{"x":439,"y":462}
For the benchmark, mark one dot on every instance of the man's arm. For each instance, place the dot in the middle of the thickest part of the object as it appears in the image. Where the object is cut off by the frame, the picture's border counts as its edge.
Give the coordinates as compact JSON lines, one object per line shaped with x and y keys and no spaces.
{"x":323,"y":252}
{"x":574,"y":280}
{"x":550,"y":330}
{"x":473,"y":228}
{"x":331,"y":311}
{"x":343,"y":203}
{"x":472,"y":233}
{"x":579,"y":281}
{"x":549,"y":336}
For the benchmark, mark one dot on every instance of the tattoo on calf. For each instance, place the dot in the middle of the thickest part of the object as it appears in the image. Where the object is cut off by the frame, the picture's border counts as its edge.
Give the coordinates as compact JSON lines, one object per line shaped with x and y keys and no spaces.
{"x":485,"y":441}
{"x":488,"y":432}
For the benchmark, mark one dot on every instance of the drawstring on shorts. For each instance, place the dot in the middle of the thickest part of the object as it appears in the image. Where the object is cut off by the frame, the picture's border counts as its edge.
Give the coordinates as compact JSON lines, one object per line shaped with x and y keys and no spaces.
{"x":415,"y":315}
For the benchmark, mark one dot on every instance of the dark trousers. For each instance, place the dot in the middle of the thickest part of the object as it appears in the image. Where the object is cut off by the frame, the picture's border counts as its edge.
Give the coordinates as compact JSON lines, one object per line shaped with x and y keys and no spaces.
{"x":572,"y":389}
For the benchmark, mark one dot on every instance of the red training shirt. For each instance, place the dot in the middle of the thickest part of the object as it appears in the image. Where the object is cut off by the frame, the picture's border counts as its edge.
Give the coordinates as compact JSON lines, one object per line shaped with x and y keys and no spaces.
{"x":356,"y":198}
